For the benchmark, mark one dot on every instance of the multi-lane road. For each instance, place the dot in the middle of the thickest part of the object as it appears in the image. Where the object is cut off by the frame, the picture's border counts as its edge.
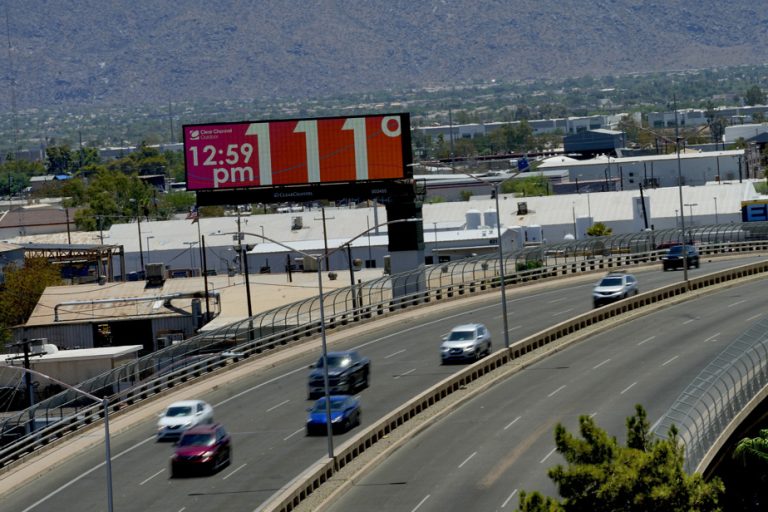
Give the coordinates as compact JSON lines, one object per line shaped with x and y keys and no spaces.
{"x":265,"y":411}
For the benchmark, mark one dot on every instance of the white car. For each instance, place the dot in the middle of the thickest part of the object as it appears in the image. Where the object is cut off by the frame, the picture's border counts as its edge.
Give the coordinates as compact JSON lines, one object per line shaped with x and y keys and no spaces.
{"x":180,"y":416}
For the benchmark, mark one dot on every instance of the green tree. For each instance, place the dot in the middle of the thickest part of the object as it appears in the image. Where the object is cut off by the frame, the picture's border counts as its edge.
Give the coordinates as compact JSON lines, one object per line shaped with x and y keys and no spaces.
{"x":599,"y":229}
{"x":526,"y":187}
{"x":601,"y":474}
{"x":59,"y":160}
{"x":753,"y":451}
{"x":754,"y":96}
{"x":23,"y":288}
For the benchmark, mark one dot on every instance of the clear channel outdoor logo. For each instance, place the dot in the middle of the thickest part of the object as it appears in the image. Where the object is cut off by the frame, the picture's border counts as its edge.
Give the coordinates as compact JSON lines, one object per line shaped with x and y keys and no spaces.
{"x":194,"y":135}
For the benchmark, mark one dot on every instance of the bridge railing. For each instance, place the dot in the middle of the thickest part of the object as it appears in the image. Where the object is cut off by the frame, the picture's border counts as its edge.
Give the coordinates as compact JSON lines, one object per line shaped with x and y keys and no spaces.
{"x":319,"y":473}
{"x":53,"y":418}
{"x":718,"y":395}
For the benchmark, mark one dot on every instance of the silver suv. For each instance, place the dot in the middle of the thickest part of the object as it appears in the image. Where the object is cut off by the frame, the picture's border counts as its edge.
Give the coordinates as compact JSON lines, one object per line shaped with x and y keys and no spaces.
{"x":466,"y":342}
{"x":612,"y":287}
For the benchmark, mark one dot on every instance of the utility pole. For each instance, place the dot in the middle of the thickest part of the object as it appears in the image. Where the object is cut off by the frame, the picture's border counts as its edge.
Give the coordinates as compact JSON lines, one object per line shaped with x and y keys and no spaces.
{"x":325,"y":237}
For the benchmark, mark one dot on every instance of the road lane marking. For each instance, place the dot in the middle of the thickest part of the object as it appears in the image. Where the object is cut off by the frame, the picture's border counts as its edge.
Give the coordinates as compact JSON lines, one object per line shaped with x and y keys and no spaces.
{"x":234,"y":471}
{"x":689,"y":321}
{"x":628,"y":388}
{"x":509,"y":498}
{"x":593,"y":414}
{"x":414,"y":509}
{"x":182,"y":509}
{"x":736,"y":303}
{"x":555,"y":391}
{"x":393,"y":354}
{"x":290,"y":436}
{"x":669,"y":361}
{"x":548,"y":455}
{"x":405,"y":373}
{"x":512,"y":423}
{"x":278,"y":405}
{"x":151,"y":477}
{"x":85,"y":474}
{"x":467,"y":459}
{"x":601,"y":364}
{"x":712,"y":337}
{"x":754,"y":317}
{"x":561,"y":299}
{"x":563,"y":312}
{"x":646,"y":340}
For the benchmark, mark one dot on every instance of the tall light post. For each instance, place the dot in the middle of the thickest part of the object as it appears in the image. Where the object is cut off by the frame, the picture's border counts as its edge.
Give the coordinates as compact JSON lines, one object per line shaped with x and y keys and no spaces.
{"x":495,"y":186}
{"x":680,"y":191}
{"x":105,"y":405}
{"x":138,"y":224}
{"x":690,"y":209}
{"x":149,"y":237}
{"x":716,"y":219}
{"x":319,"y":261}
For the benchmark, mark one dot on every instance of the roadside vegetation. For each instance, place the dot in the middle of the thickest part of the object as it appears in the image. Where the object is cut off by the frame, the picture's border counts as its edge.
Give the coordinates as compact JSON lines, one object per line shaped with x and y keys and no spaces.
{"x":643,"y":475}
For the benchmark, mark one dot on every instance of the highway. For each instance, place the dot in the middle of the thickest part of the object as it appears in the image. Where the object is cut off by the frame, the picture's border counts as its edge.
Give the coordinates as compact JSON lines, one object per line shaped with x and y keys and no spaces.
{"x":266,"y":410}
{"x":482,"y":454}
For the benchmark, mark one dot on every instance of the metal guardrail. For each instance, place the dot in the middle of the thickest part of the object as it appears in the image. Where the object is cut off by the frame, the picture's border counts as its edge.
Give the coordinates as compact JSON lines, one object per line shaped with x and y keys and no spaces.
{"x":66,"y":412}
{"x":288,"y":498}
{"x":717,"y":396}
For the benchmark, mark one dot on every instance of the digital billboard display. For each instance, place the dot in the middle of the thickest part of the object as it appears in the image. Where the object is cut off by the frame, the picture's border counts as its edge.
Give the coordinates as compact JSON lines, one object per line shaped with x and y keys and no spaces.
{"x":297,"y":152}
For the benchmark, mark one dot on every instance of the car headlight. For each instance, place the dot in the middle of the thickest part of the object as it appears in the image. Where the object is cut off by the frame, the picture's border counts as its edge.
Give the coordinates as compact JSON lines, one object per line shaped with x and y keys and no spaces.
{"x":469,"y":349}
{"x":207,"y":455}
{"x":444,"y":349}
{"x":337,"y":419}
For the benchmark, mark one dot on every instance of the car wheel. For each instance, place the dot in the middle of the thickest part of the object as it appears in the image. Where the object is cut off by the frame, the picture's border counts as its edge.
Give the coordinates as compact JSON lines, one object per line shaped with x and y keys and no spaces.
{"x":488,"y":351}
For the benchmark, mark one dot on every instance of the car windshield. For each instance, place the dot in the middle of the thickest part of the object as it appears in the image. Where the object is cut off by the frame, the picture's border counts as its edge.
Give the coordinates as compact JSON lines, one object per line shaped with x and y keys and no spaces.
{"x":335,"y":361}
{"x":197,"y":440}
{"x":611,"y":281}
{"x":337,"y":404}
{"x":178,"y":411}
{"x":461,"y":335}
{"x":678,"y":249}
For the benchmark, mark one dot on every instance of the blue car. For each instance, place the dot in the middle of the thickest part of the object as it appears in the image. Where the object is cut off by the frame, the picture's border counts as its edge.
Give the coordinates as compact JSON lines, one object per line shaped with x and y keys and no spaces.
{"x":345,"y":414}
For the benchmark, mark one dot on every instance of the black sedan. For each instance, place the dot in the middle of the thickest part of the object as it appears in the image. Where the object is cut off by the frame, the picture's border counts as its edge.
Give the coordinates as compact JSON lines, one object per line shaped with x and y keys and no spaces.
{"x":347,"y":372}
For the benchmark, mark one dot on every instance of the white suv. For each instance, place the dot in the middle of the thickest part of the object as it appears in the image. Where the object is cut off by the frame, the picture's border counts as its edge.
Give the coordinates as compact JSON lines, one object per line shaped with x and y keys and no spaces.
{"x":181,"y":416}
{"x":468,"y":341}
{"x":612,"y":287}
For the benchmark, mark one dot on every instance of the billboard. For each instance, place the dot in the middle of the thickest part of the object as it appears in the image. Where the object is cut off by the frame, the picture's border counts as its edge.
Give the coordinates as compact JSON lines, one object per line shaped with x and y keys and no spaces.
{"x":297,"y":152}
{"x":754,"y":211}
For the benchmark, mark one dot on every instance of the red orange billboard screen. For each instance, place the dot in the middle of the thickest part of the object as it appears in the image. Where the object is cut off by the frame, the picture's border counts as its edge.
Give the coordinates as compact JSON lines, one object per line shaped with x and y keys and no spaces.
{"x":297,"y":152}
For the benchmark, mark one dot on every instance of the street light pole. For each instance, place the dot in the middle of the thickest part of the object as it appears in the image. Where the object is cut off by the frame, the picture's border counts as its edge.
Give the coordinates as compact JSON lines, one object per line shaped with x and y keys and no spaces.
{"x":716,"y":219}
{"x":680,"y":192}
{"x":319,"y":261}
{"x":105,"y":405}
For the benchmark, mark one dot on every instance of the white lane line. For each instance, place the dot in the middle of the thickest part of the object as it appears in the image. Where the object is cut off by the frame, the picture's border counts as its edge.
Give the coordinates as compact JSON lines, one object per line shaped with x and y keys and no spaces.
{"x":593,"y":414}
{"x":290,"y":436}
{"x":554,"y":301}
{"x":278,"y":405}
{"x":669,"y":361}
{"x":736,"y":303}
{"x":563,"y":312}
{"x":548,"y":455}
{"x":653,"y":427}
{"x":85,"y":474}
{"x":514,"y":328}
{"x":754,"y":317}
{"x":689,"y":321}
{"x":601,"y":364}
{"x":234,"y":471}
{"x":712,"y":337}
{"x":512,"y":423}
{"x":405,"y":373}
{"x":509,"y":498}
{"x":182,"y":509}
{"x":628,"y":388}
{"x":393,"y":354}
{"x":414,"y":509}
{"x":151,"y":477}
{"x":555,"y":391}
{"x":467,"y":459}
{"x":646,"y":340}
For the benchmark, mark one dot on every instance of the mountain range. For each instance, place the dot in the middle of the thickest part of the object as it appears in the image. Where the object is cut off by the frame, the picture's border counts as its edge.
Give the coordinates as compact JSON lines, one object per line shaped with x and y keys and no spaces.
{"x":117,"y":52}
